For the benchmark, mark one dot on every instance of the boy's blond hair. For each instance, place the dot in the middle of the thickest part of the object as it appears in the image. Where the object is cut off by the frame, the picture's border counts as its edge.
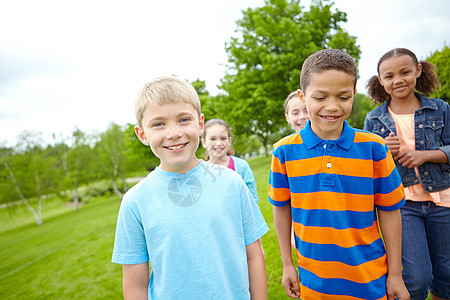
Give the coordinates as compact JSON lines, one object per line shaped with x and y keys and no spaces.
{"x":166,"y":90}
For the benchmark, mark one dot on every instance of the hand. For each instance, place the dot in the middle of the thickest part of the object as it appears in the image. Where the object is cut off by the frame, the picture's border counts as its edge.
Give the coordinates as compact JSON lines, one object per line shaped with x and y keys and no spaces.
{"x":396,"y":289}
{"x":290,"y":282}
{"x":393,"y":143}
{"x":410,"y":158}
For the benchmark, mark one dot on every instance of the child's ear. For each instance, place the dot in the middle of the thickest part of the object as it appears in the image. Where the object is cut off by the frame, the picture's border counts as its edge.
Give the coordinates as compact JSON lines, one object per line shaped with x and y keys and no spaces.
{"x":301,"y":96}
{"x":380,"y":81}
{"x":201,"y":124}
{"x":141,"y":135}
{"x":419,"y":70}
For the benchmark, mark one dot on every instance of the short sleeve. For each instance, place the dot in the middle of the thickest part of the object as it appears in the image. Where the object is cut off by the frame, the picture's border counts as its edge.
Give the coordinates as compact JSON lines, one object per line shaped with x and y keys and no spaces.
{"x":130,"y":243}
{"x":389,"y":194}
{"x":253,"y":221}
{"x":279,"y":192}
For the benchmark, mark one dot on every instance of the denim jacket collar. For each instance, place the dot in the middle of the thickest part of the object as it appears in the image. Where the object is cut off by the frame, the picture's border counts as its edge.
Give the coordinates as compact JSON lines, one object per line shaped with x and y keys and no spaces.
{"x":386,"y":118}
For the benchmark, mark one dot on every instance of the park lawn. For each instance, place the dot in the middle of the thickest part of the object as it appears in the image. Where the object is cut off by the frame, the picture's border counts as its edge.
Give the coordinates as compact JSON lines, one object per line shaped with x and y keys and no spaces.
{"x":69,"y":257}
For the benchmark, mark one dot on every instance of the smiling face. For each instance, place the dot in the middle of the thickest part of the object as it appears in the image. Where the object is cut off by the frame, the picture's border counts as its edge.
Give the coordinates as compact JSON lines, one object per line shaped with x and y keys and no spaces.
{"x":216,"y":141}
{"x":297,"y":114}
{"x":172,"y":131}
{"x":398,"y":76}
{"x":329,"y":99}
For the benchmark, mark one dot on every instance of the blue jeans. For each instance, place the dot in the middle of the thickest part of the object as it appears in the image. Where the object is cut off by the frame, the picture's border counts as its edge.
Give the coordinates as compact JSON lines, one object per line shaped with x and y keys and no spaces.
{"x":426,"y":249}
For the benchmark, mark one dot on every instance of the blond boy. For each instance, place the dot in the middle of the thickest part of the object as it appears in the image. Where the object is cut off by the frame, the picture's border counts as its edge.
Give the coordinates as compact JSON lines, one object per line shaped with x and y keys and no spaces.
{"x":198,"y":227}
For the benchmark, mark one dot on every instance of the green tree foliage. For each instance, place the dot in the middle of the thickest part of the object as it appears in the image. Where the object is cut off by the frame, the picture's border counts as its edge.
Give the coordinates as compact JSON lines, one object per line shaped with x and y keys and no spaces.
{"x":441,"y":59}
{"x":29,"y":173}
{"x":139,"y":156}
{"x":111,"y":151}
{"x":361,"y":106}
{"x":265,"y":60}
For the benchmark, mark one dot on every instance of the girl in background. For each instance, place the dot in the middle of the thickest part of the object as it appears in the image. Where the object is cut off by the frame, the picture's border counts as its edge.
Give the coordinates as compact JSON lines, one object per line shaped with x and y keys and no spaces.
{"x":216,"y":140}
{"x":295,"y":112}
{"x":416,"y":130}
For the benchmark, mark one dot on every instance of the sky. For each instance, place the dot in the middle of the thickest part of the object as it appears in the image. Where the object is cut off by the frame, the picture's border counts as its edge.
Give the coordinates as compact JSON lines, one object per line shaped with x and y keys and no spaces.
{"x":80,"y":64}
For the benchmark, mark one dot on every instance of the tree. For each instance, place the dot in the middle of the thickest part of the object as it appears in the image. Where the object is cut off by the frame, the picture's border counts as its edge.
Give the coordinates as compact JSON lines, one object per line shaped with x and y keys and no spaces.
{"x":441,"y":59}
{"x":361,"y":106}
{"x":139,"y":156}
{"x":80,"y":159}
{"x":30,"y":171}
{"x":111,"y":150}
{"x":265,"y":60}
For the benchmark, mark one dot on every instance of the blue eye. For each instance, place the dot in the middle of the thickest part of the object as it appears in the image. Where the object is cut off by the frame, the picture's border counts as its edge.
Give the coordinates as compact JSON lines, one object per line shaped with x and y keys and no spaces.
{"x":157,"y":125}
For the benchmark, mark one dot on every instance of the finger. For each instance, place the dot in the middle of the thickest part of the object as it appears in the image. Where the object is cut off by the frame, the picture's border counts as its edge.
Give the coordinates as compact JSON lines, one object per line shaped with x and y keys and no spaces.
{"x":290,"y":292}
{"x":392,"y":134}
{"x":296,"y":288}
{"x":401,"y":154}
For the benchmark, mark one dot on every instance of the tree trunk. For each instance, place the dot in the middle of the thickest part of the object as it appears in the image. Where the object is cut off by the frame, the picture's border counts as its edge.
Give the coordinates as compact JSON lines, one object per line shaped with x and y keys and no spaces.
{"x":264,"y":140}
{"x":39,"y":192}
{"x":116,"y":189}
{"x":75,"y":194}
{"x":19,"y":192}
{"x":124,"y":184}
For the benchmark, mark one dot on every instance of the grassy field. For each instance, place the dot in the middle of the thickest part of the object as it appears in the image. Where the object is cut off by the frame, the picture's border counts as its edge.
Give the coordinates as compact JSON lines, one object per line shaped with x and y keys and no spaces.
{"x":66,"y":258}
{"x":69,"y":257}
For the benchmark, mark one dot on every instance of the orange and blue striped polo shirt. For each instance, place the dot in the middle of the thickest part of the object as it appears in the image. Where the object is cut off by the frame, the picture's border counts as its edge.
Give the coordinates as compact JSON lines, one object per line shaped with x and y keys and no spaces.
{"x":334,"y":188}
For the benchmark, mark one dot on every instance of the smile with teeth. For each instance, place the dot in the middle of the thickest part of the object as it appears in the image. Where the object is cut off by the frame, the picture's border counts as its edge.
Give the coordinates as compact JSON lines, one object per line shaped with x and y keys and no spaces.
{"x":330,"y":117}
{"x":176,"y":147}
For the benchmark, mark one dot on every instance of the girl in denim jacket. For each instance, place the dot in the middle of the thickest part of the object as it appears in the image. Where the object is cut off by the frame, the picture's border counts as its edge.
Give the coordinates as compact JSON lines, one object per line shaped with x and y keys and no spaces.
{"x":416,"y":131}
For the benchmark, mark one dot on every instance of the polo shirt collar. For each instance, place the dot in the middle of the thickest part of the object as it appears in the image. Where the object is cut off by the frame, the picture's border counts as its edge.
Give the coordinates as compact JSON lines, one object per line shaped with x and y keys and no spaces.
{"x":311,"y":140}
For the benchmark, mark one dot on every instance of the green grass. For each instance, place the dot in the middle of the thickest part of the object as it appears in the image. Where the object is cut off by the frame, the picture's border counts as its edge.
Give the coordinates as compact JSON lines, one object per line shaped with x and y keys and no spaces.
{"x":260,"y":167}
{"x":69,"y":257}
{"x":66,"y":258}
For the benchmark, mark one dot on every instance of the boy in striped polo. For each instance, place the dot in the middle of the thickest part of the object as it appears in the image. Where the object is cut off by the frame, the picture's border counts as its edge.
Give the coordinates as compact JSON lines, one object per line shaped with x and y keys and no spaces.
{"x":338,"y":185}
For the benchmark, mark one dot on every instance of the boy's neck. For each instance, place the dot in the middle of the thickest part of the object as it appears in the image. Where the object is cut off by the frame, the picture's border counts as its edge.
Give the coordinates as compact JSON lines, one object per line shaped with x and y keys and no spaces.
{"x":328,"y":136}
{"x":181,"y":169}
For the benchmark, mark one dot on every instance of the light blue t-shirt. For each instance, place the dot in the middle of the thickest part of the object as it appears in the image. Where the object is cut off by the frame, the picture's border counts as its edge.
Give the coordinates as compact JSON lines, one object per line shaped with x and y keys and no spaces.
{"x":194,"y":229}
{"x":243,"y":168}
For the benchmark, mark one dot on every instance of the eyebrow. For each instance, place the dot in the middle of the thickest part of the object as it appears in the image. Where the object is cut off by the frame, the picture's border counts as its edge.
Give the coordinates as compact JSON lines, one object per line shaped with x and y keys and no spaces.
{"x":326,"y":92}
{"x":179,"y":115}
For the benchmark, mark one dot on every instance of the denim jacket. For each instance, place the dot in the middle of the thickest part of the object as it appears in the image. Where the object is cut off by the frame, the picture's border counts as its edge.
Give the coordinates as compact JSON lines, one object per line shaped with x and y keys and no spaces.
{"x":432,"y":132}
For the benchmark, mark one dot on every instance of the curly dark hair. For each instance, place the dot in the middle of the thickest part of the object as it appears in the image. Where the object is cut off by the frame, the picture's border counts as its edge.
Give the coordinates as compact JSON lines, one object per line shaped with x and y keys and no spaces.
{"x":426,"y":84}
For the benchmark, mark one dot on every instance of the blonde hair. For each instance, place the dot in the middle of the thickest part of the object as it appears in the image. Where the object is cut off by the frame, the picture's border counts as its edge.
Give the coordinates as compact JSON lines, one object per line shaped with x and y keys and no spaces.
{"x":166,"y":90}
{"x":291,"y":96}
